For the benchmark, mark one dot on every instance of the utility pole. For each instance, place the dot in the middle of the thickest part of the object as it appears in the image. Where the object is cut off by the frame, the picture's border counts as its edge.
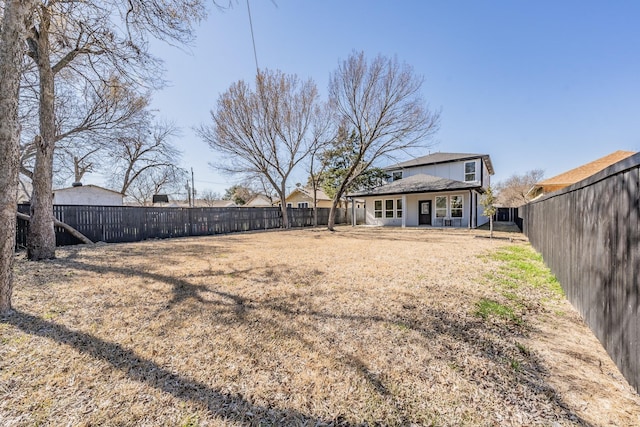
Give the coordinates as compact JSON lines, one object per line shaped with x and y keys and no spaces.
{"x":188,"y":193}
{"x":193,"y":189}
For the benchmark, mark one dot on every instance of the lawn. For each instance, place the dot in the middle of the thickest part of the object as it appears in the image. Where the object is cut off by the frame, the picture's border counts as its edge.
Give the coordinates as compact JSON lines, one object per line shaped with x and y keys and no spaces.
{"x":363,"y":326}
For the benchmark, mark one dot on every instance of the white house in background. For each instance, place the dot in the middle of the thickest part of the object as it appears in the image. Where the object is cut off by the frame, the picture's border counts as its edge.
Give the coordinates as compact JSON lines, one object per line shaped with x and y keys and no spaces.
{"x":87,"y":195}
{"x":439,"y":190}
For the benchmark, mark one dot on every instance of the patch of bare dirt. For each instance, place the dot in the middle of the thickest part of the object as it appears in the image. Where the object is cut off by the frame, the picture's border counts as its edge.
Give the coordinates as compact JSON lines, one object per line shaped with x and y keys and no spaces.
{"x":364,"y":326}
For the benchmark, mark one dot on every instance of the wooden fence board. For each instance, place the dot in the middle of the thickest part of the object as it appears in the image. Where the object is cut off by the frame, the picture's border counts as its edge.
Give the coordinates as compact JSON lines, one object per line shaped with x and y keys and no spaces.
{"x":589,"y":235}
{"x":114,"y":224}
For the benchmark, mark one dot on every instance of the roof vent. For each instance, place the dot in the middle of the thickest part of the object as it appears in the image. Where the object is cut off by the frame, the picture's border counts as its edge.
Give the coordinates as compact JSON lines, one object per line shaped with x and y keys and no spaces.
{"x":76,"y":184}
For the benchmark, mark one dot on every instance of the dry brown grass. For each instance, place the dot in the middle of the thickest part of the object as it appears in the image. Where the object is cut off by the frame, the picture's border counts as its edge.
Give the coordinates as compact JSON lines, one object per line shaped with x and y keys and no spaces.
{"x":362,"y":326}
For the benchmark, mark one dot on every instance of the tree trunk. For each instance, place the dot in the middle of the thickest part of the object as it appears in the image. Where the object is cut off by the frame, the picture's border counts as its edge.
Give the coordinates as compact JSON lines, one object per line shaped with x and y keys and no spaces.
{"x":332,"y":215}
{"x":41,"y":241}
{"x":315,"y":205}
{"x":11,"y":54}
{"x":283,"y":208}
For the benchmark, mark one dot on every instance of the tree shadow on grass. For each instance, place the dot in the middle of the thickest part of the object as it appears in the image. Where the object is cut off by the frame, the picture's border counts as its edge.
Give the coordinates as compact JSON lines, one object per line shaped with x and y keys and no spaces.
{"x":232,"y":407}
{"x":472,"y":336}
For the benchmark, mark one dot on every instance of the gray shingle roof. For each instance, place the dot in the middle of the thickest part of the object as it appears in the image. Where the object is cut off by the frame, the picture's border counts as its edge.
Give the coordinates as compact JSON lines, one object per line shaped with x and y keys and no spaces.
{"x":436,"y":158}
{"x":420,"y":183}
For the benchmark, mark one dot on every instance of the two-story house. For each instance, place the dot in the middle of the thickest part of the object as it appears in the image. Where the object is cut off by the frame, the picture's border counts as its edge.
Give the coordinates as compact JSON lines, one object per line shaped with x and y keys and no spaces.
{"x":440,"y":190}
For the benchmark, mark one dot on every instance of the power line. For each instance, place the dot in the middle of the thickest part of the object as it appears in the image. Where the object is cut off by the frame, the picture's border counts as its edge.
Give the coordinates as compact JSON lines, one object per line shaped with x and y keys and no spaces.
{"x":253,"y":40}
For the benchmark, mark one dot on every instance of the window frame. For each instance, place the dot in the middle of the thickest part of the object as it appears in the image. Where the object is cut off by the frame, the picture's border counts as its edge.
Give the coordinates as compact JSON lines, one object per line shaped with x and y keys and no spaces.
{"x":452,"y":208}
{"x":399,"y":208}
{"x":438,"y":209}
{"x":389,"y":213}
{"x":377,"y":213}
{"x":304,"y":205}
{"x":395,"y":177}
{"x":466,"y":174}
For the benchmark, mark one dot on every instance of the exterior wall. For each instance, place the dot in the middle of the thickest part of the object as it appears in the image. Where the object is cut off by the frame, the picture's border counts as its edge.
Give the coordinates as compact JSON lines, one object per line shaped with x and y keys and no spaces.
{"x":449,"y":170}
{"x":299,"y":197}
{"x":410,"y":209}
{"x":480,"y":211}
{"x":486,"y":177}
{"x":86,"y":195}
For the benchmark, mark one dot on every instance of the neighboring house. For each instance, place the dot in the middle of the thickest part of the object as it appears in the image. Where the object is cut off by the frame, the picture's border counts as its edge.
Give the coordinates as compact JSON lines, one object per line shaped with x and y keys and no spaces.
{"x":214,"y":204}
{"x":302,"y":197}
{"x":441,"y":189}
{"x":87,"y":195}
{"x":258,"y":201}
{"x":572,"y":176}
{"x":222,"y":204}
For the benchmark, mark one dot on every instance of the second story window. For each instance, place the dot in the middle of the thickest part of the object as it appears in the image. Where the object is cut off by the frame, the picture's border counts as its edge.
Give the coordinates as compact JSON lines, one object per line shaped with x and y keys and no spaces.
{"x":469,"y":171}
{"x":396,"y":176}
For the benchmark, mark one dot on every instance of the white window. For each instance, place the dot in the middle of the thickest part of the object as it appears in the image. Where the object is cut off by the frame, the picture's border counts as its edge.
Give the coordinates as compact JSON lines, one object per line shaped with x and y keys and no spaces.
{"x":456,"y":206}
{"x":303,"y":204}
{"x":397,"y":175}
{"x":377,"y":209}
{"x":388,"y":208}
{"x":399,"y":208}
{"x":441,"y":206}
{"x":469,"y":171}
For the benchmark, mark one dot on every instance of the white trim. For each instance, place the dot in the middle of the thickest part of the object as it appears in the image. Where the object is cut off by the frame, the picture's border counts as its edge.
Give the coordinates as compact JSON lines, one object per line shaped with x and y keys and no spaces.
{"x":446,"y":206}
{"x":381,"y":210}
{"x":475,"y":171}
{"x":461,"y":205}
{"x":387,"y":210}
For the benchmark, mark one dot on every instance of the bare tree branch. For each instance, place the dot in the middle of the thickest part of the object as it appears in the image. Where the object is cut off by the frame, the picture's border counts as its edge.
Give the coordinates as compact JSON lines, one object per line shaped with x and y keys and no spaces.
{"x":380,"y":100}
{"x":264,"y":131}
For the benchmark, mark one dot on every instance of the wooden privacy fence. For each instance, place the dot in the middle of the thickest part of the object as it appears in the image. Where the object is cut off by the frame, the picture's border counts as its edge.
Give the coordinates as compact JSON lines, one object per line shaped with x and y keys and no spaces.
{"x":589,"y":237}
{"x":115,"y":224}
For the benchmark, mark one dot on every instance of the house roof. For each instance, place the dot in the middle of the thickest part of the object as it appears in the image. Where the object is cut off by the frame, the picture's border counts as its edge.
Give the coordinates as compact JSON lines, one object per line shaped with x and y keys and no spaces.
{"x":258,"y":200}
{"x":220,"y":204}
{"x":581,"y":172}
{"x":320,"y":195}
{"x":420,"y":183}
{"x":91,"y":186}
{"x":436,"y":158}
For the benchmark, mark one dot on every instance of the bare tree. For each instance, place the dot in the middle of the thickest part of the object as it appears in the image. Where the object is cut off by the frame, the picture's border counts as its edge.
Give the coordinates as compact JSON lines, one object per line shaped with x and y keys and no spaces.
{"x":380,"y":100}
{"x":82,"y":38}
{"x":87,"y":125}
{"x":144,"y":155}
{"x":323,"y":135}
{"x":209,"y":197}
{"x":512,"y":192}
{"x":12,"y":33}
{"x":264,"y":131}
{"x":163,"y":180}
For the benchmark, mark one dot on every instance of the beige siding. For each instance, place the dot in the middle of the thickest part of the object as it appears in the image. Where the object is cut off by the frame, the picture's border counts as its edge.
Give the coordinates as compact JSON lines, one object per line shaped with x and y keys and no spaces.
{"x":298,"y":197}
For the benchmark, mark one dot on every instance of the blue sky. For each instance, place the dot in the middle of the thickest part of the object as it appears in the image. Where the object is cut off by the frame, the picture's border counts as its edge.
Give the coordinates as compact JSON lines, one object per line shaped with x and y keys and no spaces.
{"x":534,"y":84}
